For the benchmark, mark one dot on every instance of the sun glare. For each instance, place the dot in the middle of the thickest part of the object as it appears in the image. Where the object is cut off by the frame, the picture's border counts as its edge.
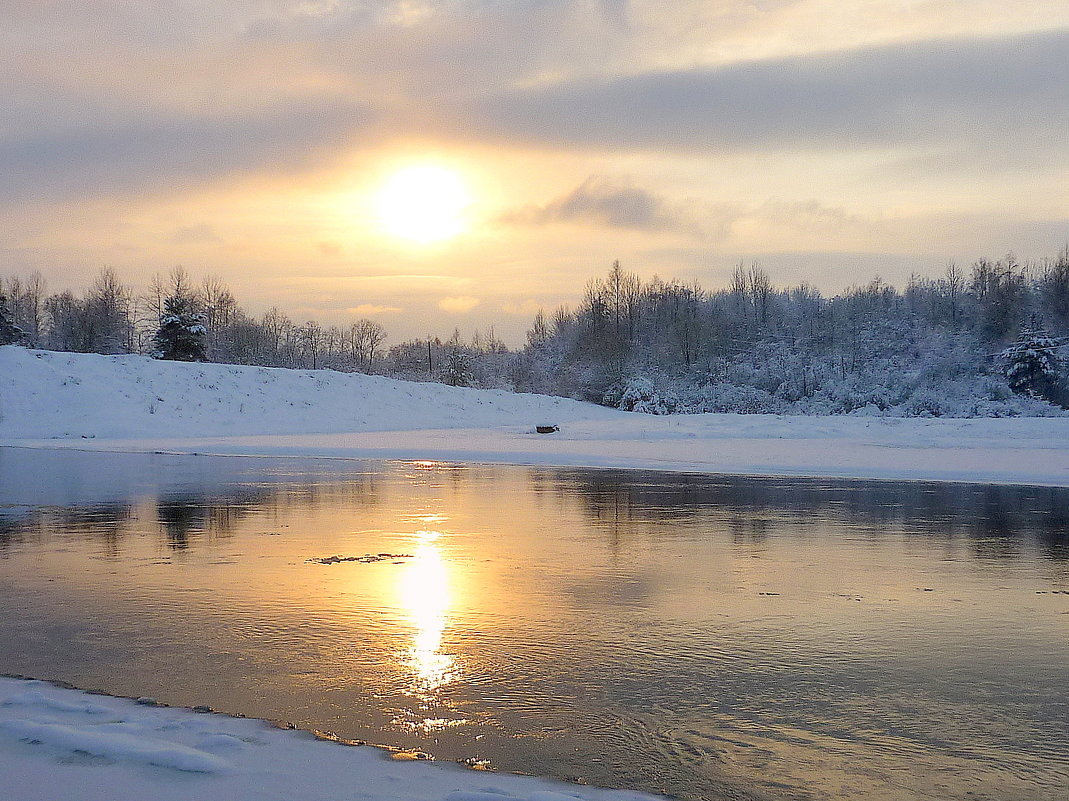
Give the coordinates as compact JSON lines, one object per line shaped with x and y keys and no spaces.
{"x":423,"y":203}
{"x":425,"y":596}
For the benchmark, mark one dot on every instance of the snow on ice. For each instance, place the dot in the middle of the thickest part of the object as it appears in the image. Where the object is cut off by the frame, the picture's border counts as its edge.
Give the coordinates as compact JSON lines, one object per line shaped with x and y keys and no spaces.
{"x":58,"y":743}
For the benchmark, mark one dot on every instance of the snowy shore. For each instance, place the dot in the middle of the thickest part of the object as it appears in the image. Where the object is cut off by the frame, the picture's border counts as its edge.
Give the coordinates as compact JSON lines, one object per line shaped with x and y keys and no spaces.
{"x":132,"y":403}
{"x":60,"y":743}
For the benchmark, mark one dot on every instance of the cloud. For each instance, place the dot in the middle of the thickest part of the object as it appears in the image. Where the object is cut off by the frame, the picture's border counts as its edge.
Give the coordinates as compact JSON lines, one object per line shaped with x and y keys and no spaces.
{"x":599,"y":201}
{"x":809,"y":215}
{"x":462,"y":304}
{"x":441,"y":49}
{"x":1011,"y":90}
{"x":70,"y":146}
{"x":370,"y":309}
{"x":378,"y":283}
{"x":613,"y":203}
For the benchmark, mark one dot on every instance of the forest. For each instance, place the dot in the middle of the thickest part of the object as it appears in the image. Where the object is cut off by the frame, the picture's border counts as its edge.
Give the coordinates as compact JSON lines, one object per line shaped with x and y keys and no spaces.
{"x":983,"y":342}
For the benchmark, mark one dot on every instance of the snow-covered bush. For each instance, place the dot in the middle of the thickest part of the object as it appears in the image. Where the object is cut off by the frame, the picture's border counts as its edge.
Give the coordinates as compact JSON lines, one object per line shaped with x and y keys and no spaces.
{"x":638,"y":394}
{"x":972,"y":396}
{"x":721,"y":396}
{"x":457,"y":371}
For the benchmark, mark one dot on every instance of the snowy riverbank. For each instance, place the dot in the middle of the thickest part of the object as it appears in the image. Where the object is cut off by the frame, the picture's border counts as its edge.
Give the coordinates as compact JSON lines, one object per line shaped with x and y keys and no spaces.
{"x":59,"y":743}
{"x":132,"y":403}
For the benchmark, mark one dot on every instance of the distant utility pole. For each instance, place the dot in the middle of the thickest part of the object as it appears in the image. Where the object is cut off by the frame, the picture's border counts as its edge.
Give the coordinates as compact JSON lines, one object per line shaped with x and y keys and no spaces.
{"x":430,"y":363}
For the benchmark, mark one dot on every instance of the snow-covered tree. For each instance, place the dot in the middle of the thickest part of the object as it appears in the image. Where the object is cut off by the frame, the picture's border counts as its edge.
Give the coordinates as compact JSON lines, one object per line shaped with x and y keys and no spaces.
{"x":457,"y":372}
{"x":10,"y":334}
{"x":107,"y":320}
{"x":1031,"y":364}
{"x":182,"y":331}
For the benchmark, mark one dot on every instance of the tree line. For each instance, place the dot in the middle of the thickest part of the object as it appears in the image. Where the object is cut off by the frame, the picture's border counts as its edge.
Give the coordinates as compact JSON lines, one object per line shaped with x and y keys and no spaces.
{"x":987,"y":341}
{"x":177,"y":317}
{"x":110,"y":317}
{"x":980,"y":343}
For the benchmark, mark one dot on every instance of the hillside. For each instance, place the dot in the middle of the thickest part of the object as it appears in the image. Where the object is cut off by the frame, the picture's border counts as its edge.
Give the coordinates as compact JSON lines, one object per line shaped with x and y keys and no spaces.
{"x":69,"y":395}
{"x":133,"y":403}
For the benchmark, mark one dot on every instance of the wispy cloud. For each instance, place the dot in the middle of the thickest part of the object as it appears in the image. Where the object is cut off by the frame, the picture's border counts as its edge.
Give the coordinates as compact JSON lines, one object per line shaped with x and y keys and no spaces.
{"x":371,"y":309}
{"x":1008,"y":91}
{"x":613,"y":203}
{"x":461,"y":304}
{"x":55,"y":152}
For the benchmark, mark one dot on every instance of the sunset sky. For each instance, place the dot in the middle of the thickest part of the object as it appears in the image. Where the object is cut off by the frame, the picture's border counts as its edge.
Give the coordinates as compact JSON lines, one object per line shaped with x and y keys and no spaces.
{"x":464,"y":162}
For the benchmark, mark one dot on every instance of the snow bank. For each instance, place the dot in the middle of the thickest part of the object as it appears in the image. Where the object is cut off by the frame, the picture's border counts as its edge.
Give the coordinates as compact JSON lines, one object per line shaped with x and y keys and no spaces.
{"x":33,"y":698}
{"x":72,"y":395}
{"x":54,"y":743}
{"x":133,"y":403}
{"x":111,"y":742}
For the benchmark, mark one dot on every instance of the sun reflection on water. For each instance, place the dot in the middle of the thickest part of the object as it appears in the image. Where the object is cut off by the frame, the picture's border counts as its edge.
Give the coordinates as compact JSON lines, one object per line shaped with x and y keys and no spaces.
{"x":425,"y":597}
{"x":428,"y":519}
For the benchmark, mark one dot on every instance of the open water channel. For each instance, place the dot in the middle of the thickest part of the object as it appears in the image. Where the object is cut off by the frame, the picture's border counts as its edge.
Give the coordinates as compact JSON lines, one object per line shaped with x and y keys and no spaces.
{"x":707,"y":637}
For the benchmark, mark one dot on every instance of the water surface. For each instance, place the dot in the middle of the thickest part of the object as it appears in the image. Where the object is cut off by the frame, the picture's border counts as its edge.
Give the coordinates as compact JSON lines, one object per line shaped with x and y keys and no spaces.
{"x":705,"y":636}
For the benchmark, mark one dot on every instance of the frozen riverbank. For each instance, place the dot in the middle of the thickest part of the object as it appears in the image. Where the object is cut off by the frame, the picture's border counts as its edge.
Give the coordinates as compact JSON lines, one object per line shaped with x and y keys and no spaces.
{"x":131,"y":403}
{"x":60,"y":743}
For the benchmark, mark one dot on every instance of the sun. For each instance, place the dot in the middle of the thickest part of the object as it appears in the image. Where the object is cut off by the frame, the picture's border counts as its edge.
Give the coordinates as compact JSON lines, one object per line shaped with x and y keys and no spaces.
{"x":423,"y":203}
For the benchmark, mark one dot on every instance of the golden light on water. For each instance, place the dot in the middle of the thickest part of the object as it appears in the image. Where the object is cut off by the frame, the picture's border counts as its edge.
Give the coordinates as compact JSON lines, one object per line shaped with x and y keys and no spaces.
{"x":423,"y":203}
{"x":428,"y":519}
{"x":425,"y":598}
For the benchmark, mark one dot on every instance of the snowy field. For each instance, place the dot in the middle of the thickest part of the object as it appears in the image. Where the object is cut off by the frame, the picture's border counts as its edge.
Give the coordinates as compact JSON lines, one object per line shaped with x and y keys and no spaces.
{"x":133,"y":403}
{"x":99,"y":748}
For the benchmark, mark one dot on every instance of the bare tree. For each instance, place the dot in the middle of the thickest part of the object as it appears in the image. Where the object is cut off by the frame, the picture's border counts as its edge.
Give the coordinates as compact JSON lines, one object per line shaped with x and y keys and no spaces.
{"x":365,"y":337}
{"x":109,"y":323}
{"x":28,"y":305}
{"x":313,"y":337}
{"x":219,"y":308}
{"x":275,"y":325}
{"x":760,"y":286}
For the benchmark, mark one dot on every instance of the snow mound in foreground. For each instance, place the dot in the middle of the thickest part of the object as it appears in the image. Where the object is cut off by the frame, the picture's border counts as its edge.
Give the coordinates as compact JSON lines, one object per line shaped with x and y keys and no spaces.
{"x":39,"y":699}
{"x":54,"y":743}
{"x":113,"y":741}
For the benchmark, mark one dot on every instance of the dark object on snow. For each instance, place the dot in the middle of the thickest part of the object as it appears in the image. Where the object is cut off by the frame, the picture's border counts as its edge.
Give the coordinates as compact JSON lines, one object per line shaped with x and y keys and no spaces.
{"x":182,"y":332}
{"x":547,"y":429}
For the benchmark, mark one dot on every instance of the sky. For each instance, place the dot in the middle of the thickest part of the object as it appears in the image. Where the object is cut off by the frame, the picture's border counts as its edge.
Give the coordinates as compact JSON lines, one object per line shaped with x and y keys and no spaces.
{"x":463,"y":163}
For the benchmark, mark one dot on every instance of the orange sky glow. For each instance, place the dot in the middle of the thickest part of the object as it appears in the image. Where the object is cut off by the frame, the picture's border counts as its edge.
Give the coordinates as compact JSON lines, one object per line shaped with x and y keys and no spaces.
{"x":463,"y":163}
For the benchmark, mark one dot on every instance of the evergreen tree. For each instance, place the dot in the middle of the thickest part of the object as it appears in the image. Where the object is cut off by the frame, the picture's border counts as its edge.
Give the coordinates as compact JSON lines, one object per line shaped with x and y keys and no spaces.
{"x":182,"y":331}
{"x":1031,"y":364}
{"x":457,"y":368}
{"x":10,"y":334}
